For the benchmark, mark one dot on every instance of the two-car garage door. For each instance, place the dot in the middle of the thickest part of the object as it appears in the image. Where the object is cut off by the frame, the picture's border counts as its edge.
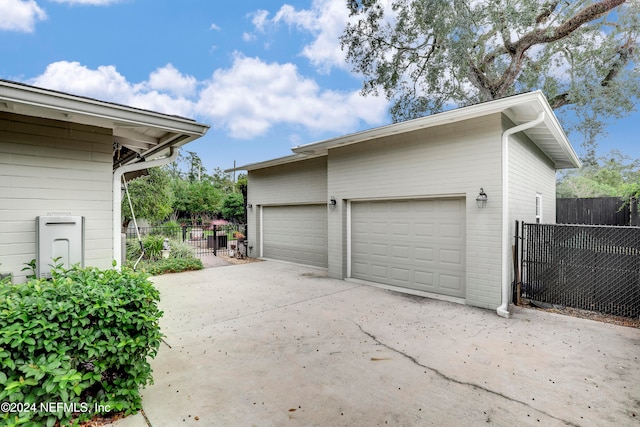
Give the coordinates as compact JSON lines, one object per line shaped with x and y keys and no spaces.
{"x":417,"y":244}
{"x":295,"y":233}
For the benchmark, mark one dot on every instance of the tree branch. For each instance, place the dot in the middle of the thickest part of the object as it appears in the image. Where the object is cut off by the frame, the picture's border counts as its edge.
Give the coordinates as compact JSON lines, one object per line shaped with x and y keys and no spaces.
{"x":542,"y":36}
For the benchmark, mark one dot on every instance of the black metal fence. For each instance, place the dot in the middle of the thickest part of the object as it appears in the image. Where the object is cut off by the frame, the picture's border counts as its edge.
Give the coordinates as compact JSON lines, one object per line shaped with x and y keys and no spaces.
{"x":596,"y":211}
{"x":210,"y":240}
{"x":593,"y":268}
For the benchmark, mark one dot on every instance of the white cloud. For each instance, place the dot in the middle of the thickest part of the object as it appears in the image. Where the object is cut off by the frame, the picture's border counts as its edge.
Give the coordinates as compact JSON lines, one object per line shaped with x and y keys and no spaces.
{"x":259,"y":19}
{"x":248,"y":37}
{"x":245,"y":100}
{"x":214,"y":27}
{"x":19,"y":15}
{"x":169,"y":79}
{"x":252,"y":96}
{"x":88,"y":2}
{"x":107,"y":84}
{"x":326,"y":20}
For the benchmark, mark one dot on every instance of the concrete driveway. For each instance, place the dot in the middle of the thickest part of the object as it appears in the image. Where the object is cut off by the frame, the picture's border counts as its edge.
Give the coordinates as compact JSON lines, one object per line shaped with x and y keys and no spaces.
{"x":272,"y":344}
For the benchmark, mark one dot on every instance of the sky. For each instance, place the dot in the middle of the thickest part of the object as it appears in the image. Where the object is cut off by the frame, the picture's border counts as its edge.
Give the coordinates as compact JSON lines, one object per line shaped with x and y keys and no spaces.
{"x":266,"y":75}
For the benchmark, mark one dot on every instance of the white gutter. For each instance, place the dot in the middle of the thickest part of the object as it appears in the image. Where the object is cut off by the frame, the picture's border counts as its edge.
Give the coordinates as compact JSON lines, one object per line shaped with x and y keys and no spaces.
{"x":503,"y":310}
{"x":117,"y":197}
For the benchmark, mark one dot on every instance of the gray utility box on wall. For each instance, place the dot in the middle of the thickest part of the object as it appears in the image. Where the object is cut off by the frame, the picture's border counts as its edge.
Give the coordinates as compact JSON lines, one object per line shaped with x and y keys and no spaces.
{"x":58,"y":237}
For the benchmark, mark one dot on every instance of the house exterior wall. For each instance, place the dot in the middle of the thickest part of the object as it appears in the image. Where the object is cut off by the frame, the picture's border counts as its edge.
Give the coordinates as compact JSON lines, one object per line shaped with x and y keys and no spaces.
{"x":53,"y":166}
{"x":531,"y":172}
{"x":452,"y":160}
{"x":448,"y":160}
{"x":303,"y":182}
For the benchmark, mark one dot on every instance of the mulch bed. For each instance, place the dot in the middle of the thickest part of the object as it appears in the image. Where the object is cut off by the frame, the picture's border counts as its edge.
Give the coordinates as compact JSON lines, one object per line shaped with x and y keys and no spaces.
{"x":591,"y":315}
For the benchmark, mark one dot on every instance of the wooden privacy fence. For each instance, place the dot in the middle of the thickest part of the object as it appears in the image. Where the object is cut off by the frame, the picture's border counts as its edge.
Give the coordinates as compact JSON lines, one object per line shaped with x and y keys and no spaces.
{"x":596,"y":211}
{"x":593,"y":268}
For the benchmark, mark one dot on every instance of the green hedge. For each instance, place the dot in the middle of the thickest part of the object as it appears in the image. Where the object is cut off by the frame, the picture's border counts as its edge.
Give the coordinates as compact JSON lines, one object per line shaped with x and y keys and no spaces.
{"x":170,"y":265}
{"x":77,"y":345}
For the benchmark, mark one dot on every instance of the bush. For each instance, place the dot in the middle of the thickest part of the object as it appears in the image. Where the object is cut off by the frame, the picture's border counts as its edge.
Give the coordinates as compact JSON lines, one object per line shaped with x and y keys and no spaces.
{"x":181,"y":250}
{"x":81,"y":339}
{"x":170,"y":265}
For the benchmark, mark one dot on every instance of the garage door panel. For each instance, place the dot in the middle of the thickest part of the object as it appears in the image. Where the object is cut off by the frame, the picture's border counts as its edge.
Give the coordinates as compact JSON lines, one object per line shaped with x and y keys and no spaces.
{"x":402,"y":252}
{"x":400,"y":274}
{"x":421,"y":245}
{"x":451,"y":282}
{"x":423,"y":279}
{"x":423,"y":254}
{"x":423,"y":230}
{"x":448,"y":256}
{"x":296,"y":234}
{"x":454,"y":231}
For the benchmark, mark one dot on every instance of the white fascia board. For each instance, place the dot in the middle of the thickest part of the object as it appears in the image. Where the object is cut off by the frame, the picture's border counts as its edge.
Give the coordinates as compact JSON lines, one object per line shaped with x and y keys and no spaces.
{"x":118,"y":115}
{"x":536,"y":101}
{"x":273,"y":162}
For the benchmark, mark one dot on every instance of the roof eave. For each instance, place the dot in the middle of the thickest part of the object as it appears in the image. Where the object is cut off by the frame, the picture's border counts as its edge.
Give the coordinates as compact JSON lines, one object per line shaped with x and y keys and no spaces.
{"x":127,"y":123}
{"x":293,"y":158}
{"x":536,"y":100}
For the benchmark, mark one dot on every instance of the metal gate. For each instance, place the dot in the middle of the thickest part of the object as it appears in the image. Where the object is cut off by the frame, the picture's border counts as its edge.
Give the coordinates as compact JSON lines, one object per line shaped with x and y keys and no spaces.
{"x":203,"y":241}
{"x":593,"y":268}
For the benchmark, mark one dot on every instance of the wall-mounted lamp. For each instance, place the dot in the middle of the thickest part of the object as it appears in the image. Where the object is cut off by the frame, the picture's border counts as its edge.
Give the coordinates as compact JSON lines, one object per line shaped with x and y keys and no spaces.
{"x":250,"y":206}
{"x":482,"y":198}
{"x":332,"y":202}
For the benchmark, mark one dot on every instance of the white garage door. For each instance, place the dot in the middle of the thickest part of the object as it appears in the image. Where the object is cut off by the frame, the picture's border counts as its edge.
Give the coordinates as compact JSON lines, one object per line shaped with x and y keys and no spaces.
{"x":417,"y":244}
{"x":295,"y":233}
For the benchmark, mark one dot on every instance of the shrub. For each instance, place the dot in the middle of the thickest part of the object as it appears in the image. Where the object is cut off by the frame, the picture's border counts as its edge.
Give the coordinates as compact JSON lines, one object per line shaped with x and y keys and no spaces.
{"x":82,"y":339}
{"x":170,"y":265}
{"x":153,"y":247}
{"x":181,"y":250}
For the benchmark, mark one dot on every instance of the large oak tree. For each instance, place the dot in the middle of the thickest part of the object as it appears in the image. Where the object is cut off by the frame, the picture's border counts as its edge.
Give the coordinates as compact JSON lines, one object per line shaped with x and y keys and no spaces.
{"x":430,"y":55}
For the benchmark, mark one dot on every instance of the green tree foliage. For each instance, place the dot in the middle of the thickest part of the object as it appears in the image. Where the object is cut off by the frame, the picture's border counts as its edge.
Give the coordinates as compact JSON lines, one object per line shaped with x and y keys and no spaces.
{"x":426,"y":55}
{"x":195,"y":171}
{"x":222,"y":181}
{"x":151,"y":197}
{"x":233,"y":207}
{"x":614,"y":176}
{"x":199,"y":199}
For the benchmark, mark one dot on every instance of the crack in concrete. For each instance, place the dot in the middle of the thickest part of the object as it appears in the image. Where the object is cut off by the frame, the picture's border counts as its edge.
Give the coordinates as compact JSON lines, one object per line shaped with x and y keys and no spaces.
{"x":464,"y":383}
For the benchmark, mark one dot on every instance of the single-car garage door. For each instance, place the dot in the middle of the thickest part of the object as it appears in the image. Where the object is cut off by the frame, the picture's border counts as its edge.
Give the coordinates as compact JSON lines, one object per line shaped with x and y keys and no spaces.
{"x":295,"y":233}
{"x":417,"y":244}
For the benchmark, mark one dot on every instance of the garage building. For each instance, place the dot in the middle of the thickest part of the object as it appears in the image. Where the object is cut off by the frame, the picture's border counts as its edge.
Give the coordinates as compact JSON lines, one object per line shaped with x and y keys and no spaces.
{"x":401,"y":206}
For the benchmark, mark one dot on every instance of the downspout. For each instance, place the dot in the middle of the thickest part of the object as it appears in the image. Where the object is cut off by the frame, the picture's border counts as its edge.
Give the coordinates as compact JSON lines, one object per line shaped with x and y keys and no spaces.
{"x":503,"y":310}
{"x":117,"y":197}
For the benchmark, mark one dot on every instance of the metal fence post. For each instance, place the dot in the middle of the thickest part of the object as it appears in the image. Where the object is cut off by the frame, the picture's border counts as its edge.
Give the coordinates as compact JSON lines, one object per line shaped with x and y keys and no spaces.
{"x":215,"y":240}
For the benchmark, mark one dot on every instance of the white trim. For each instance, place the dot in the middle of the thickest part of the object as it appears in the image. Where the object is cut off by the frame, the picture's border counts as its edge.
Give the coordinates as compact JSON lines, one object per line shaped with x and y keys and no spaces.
{"x":261,"y":231}
{"x":503,"y":309}
{"x":349,"y":238}
{"x":539,"y":208}
{"x":550,"y":138}
{"x":117,"y":198}
{"x":410,"y":197}
{"x":409,"y":291}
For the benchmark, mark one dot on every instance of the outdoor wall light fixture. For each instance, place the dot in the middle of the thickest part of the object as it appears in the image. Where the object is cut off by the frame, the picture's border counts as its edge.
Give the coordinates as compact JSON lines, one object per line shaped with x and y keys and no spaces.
{"x":332,"y":202}
{"x":250,"y":206}
{"x":482,"y":198}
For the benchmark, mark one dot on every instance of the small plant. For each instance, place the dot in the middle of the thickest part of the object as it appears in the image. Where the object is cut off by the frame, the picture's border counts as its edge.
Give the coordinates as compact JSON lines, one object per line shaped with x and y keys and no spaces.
{"x":30,"y":266}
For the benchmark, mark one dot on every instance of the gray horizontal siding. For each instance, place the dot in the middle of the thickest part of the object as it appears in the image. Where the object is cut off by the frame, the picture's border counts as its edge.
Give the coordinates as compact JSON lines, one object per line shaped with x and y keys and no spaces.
{"x":455,"y":159}
{"x":53,"y":166}
{"x":303,"y":182}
